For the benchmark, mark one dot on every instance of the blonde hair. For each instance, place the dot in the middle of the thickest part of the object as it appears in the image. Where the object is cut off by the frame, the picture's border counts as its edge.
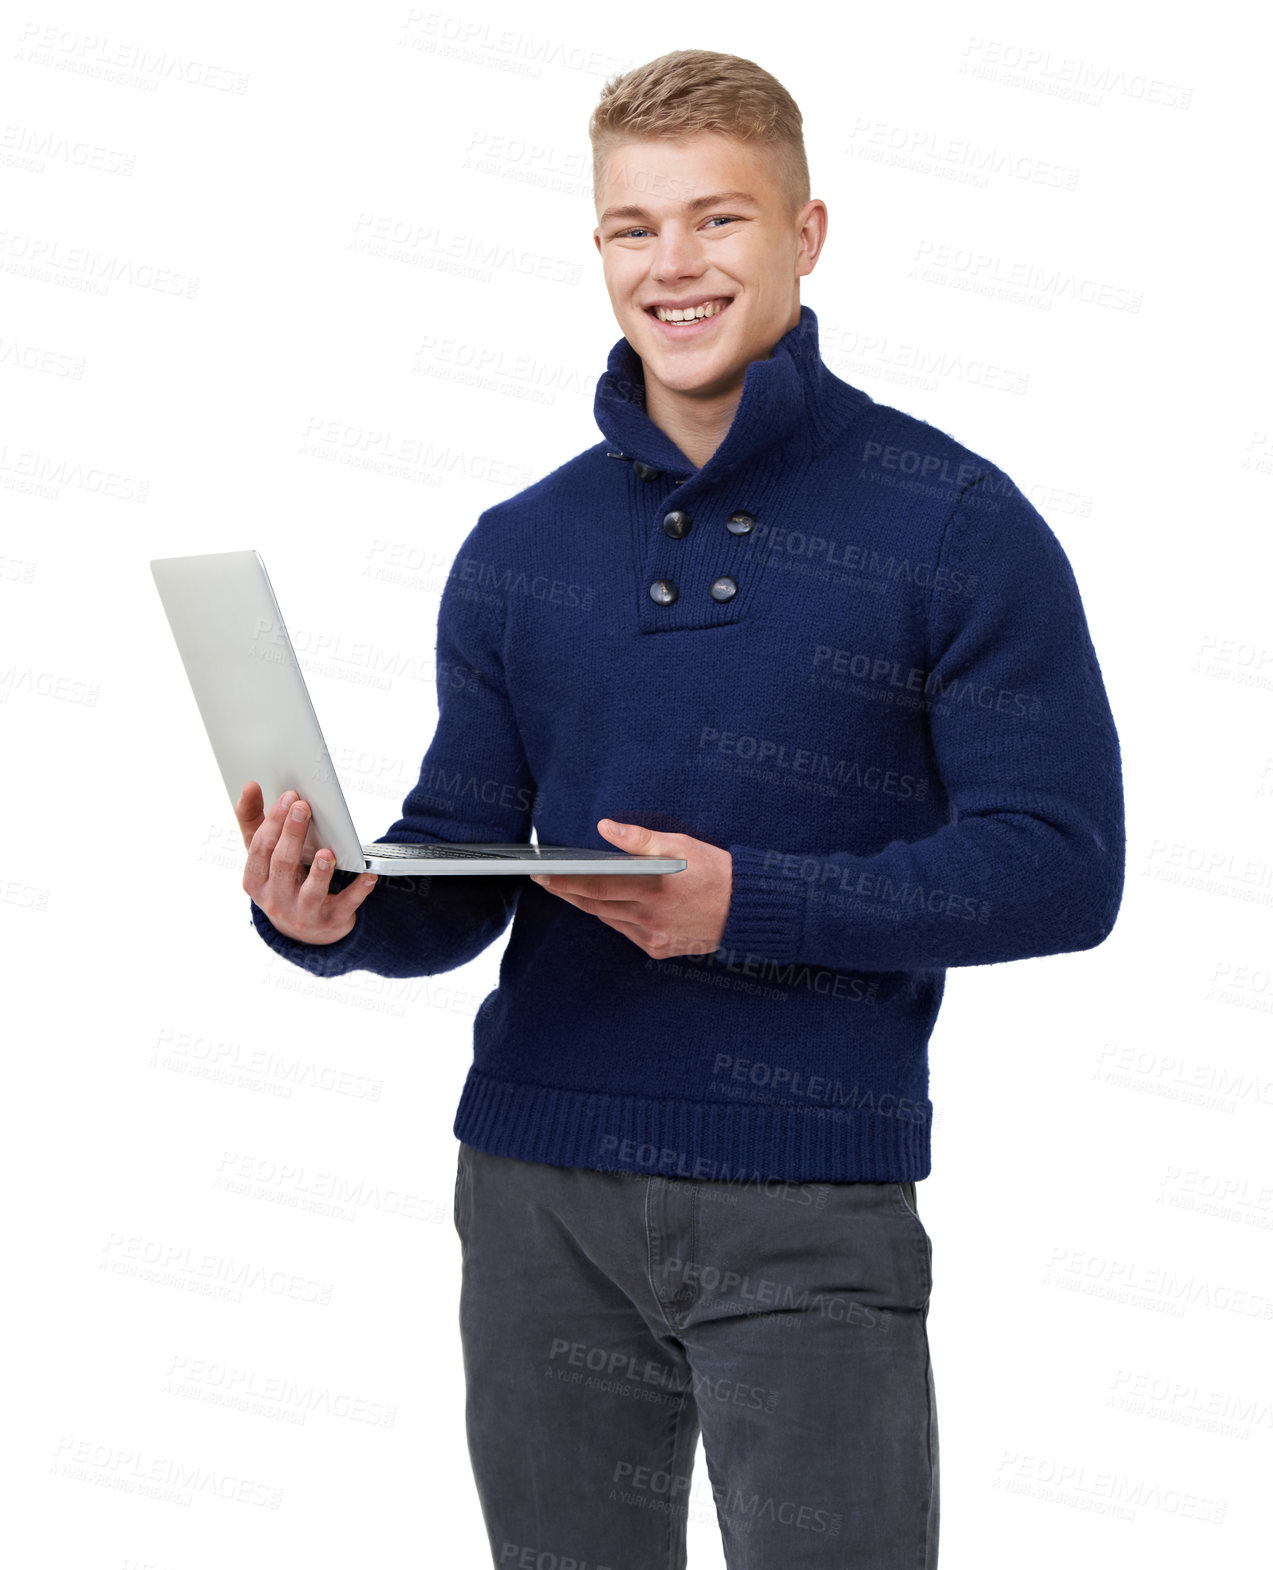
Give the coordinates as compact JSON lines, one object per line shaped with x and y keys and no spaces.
{"x":694,"y":90}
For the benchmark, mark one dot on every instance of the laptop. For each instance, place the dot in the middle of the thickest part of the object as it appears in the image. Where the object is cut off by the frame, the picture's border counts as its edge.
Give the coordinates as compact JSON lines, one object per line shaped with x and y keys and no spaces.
{"x":257,"y":711}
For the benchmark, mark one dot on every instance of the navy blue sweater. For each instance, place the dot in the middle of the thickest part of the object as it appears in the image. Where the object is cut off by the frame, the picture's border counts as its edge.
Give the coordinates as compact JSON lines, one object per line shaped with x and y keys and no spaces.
{"x":864,"y":670}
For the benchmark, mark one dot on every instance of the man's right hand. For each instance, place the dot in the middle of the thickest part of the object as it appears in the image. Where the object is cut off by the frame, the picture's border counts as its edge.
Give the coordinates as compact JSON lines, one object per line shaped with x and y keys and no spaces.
{"x":298,"y":902}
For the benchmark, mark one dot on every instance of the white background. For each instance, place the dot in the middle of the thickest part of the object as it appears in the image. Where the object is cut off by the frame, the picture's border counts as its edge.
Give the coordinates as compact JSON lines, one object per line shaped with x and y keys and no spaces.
{"x":201,"y":349}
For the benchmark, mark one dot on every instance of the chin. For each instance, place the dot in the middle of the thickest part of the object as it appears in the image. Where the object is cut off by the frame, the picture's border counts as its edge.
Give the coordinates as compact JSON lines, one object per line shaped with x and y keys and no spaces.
{"x":706,"y":376}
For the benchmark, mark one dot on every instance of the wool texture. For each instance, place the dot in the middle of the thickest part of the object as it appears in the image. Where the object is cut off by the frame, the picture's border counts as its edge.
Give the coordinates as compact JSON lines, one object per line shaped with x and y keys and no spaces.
{"x":890,"y":713}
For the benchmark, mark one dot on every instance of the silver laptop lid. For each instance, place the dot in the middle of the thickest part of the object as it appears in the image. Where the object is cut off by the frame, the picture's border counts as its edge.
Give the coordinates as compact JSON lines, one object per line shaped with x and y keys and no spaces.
{"x":251,"y":691}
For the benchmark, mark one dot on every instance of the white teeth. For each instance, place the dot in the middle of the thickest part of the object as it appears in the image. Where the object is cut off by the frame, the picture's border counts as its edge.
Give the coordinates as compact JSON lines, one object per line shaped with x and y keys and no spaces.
{"x":697,"y":313}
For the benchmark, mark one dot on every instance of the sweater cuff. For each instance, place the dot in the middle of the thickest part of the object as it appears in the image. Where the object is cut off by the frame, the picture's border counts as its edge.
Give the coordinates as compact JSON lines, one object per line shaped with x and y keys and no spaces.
{"x":320,"y":959}
{"x":766,"y":911}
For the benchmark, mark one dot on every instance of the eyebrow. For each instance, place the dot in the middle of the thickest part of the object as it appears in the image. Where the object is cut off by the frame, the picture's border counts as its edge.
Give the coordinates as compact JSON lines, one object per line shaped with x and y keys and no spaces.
{"x":698,"y":203}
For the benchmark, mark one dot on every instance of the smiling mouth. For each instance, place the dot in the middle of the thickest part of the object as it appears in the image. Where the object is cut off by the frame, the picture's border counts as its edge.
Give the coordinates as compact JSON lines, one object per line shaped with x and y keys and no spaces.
{"x":688,"y":317}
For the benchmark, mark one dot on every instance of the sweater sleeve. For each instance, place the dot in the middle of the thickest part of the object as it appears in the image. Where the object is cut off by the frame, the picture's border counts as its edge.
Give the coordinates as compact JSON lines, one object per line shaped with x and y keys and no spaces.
{"x":1031,"y":861}
{"x":474,"y":785}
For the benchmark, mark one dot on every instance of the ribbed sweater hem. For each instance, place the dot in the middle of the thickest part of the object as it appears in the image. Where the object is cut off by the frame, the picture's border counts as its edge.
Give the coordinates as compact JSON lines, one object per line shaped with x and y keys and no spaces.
{"x":766,"y":914}
{"x":708,"y":1141}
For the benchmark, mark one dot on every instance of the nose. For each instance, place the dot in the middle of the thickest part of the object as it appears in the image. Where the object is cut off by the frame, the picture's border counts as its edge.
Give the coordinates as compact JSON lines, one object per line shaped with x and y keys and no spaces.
{"x":679,"y":255}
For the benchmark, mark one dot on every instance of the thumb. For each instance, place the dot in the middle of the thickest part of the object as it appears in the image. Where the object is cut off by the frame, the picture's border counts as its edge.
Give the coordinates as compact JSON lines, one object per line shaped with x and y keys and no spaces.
{"x":631,"y":837}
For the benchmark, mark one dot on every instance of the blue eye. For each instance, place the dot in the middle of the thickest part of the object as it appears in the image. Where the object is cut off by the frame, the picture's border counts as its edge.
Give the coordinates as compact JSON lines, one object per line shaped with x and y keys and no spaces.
{"x":624,"y":234}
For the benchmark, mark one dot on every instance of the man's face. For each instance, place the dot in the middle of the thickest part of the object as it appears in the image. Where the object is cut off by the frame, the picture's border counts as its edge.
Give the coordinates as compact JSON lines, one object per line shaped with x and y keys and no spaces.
{"x":702,"y":221}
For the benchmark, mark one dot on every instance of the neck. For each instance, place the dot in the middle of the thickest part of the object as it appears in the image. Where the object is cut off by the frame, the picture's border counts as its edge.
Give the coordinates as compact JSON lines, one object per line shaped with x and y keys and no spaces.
{"x":699,"y":422}
{"x":698,"y":425}
{"x":788,"y":397}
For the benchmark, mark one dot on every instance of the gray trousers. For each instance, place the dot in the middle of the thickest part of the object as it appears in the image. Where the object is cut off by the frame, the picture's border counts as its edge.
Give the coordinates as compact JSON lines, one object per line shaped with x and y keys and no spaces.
{"x":606,"y":1319}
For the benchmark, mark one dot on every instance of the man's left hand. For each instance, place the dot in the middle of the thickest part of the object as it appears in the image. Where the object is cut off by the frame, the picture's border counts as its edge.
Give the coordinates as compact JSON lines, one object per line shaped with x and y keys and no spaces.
{"x":665,"y":913}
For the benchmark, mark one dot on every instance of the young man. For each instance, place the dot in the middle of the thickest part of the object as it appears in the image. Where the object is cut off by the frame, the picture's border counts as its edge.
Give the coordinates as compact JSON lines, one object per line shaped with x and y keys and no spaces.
{"x":840,"y":664}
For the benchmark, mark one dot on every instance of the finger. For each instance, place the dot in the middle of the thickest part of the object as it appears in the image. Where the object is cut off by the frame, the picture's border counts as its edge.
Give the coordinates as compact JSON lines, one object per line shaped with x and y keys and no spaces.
{"x":349,"y":899}
{"x":598,"y":887}
{"x":250,"y":800}
{"x":286,"y":858}
{"x":316,"y":887}
{"x":635,"y":930}
{"x":249,"y":810}
{"x":630,"y":910}
{"x":261,"y":847}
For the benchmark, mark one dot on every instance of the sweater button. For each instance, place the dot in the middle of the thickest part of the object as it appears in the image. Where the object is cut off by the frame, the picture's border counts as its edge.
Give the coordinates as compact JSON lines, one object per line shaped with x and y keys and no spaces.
{"x":740,"y":523}
{"x":676,"y":525}
{"x":663,"y":591}
{"x":723,"y":588}
{"x":646,"y":471}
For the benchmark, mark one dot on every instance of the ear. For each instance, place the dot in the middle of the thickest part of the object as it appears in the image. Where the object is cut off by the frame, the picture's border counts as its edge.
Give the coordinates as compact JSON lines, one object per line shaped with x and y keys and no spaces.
{"x":812,"y":235}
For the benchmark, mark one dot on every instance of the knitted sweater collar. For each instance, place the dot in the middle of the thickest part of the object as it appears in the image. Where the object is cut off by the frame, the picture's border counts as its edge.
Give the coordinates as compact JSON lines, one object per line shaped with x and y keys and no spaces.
{"x":790,"y":396}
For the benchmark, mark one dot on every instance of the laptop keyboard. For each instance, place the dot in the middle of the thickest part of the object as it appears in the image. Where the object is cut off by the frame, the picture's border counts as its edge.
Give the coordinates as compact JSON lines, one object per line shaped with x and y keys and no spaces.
{"x":448,"y":852}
